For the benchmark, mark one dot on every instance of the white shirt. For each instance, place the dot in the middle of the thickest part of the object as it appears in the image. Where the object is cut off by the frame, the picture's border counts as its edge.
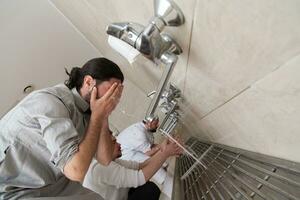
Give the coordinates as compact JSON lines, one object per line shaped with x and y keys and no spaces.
{"x":112,"y":182}
{"x":135,"y":142}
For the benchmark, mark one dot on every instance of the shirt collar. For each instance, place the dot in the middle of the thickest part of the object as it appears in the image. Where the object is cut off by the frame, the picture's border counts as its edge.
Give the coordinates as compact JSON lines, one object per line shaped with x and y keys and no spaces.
{"x":79,"y":101}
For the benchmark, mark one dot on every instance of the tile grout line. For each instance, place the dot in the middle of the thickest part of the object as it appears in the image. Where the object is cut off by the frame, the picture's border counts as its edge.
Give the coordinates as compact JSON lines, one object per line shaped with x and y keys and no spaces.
{"x":275,"y":69}
{"x":216,"y":108}
{"x":189,"y":48}
{"x":249,"y":86}
{"x":74,"y":27}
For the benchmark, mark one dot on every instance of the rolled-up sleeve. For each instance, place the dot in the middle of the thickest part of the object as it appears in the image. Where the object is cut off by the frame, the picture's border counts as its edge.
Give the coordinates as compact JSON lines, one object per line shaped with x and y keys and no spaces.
{"x":117,"y":175}
{"x":143,"y":147}
{"x":57,"y":129}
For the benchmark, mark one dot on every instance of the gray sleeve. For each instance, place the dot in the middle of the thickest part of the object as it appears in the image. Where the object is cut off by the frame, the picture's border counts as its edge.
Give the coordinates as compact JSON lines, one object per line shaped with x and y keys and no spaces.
{"x":57,"y":129}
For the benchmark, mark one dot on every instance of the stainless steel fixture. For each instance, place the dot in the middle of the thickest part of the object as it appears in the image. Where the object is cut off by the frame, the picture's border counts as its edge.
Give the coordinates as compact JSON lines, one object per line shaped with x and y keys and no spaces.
{"x":169,"y":60}
{"x":170,"y":107}
{"x":170,"y":98}
{"x":233,"y":173}
{"x":159,"y":47}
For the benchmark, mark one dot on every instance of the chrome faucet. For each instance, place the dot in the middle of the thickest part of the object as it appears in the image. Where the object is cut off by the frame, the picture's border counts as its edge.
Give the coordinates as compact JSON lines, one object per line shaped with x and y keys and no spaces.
{"x":149,"y":40}
{"x":170,"y":107}
{"x":159,"y":47}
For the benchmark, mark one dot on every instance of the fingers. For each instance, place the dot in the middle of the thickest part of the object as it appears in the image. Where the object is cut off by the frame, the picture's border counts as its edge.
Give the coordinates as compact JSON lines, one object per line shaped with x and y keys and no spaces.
{"x":117,"y":93}
{"x":93,"y":95}
{"x":110,"y":91}
{"x":121,"y":87}
{"x":116,"y":96}
{"x":112,"y":97}
{"x":176,"y":149}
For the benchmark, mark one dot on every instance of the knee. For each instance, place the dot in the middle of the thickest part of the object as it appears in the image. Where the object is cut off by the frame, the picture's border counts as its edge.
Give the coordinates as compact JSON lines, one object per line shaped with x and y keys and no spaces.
{"x":152,"y":188}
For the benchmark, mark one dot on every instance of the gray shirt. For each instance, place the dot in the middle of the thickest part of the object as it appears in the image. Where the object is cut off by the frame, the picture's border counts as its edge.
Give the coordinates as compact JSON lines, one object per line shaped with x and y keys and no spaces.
{"x":37,"y":138}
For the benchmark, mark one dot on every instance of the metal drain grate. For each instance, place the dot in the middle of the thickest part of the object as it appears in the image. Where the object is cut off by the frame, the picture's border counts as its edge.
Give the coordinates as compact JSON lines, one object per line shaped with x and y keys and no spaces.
{"x":234,"y":174}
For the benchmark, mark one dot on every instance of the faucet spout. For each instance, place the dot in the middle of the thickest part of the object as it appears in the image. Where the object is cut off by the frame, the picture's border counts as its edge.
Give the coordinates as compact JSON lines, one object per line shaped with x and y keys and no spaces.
{"x":127,"y":31}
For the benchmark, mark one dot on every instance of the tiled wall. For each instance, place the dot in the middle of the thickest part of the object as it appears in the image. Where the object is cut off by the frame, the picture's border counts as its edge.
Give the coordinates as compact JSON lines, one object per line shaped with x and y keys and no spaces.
{"x":36,"y":43}
{"x":239,"y":70}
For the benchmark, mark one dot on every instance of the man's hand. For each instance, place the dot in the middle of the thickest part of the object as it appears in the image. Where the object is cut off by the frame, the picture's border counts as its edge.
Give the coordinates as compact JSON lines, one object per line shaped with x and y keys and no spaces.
{"x":96,"y":134}
{"x":167,"y":148}
{"x":103,"y":106}
{"x":170,"y":148}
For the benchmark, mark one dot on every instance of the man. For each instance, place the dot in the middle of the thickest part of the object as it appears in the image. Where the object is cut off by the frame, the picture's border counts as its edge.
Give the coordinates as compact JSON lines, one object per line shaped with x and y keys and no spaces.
{"x":48,"y":140}
{"x":137,"y":142}
{"x":128,"y":180}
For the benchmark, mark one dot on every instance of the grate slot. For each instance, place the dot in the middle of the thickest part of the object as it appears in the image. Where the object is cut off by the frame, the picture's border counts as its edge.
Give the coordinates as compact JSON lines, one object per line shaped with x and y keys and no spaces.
{"x":230,"y":174}
{"x":229,"y":170}
{"x":260,"y":180}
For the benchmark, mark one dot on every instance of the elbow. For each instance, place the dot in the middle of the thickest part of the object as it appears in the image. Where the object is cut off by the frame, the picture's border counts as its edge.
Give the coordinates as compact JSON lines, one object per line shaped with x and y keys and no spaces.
{"x":104,"y":161}
{"x":74,"y":173}
{"x":77,"y":178}
{"x":147,"y":178}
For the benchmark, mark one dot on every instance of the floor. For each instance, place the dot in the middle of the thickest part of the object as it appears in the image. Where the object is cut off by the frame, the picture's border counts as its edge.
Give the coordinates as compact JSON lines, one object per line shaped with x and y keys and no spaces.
{"x":167,"y":186}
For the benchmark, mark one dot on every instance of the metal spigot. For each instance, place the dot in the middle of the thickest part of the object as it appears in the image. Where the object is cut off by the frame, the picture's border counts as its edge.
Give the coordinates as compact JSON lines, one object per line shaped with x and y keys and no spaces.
{"x":149,"y":40}
{"x":169,"y":107}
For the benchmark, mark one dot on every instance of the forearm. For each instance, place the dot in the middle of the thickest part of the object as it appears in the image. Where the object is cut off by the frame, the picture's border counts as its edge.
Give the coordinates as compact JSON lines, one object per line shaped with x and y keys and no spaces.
{"x":76,"y":168}
{"x":105,"y":145}
{"x":152,"y":151}
{"x":152,"y":165}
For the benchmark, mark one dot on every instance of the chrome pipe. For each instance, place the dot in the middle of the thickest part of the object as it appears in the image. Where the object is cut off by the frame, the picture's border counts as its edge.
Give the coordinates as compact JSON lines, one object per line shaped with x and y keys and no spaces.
{"x":168,"y":59}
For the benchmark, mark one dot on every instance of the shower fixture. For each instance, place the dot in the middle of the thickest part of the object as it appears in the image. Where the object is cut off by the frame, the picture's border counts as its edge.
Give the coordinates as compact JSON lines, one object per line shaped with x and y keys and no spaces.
{"x":170,"y":107}
{"x":149,"y":40}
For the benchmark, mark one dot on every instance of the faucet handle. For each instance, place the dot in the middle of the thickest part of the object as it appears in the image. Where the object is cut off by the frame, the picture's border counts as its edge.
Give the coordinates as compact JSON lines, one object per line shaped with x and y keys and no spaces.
{"x":171,"y":93}
{"x":175,"y":91}
{"x":169,"y":12}
{"x":171,"y":44}
{"x":150,"y":94}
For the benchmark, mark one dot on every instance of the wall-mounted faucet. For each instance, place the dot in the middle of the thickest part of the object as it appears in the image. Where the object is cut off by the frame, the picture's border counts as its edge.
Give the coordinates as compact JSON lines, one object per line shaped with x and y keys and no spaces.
{"x":154,"y":45}
{"x":149,"y":40}
{"x":170,"y":107}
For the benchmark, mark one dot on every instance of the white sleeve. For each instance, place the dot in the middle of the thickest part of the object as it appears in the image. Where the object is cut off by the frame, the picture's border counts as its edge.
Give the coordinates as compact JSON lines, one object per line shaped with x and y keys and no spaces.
{"x":143,"y":147}
{"x":117,"y":175}
{"x":139,"y":156}
{"x":128,"y":164}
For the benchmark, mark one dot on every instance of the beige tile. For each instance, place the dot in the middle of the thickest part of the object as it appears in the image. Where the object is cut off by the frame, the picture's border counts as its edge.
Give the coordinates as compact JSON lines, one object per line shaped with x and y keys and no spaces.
{"x":35,"y":50}
{"x":263,"y":119}
{"x":132,"y":107}
{"x":92,"y":17}
{"x":234,"y":44}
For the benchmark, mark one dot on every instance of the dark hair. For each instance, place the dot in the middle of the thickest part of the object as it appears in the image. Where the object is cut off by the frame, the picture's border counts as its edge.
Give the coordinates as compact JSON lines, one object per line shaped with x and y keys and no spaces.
{"x":100,"y":69}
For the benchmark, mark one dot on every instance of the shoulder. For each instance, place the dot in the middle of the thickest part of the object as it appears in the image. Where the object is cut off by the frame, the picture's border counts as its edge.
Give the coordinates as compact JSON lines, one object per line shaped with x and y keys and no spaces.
{"x":136,"y":129}
{"x":60,"y":91}
{"x":49,"y":100}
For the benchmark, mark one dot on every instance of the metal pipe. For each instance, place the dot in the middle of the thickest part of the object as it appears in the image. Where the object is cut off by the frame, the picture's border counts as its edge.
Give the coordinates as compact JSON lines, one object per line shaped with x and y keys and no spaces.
{"x":168,"y":59}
